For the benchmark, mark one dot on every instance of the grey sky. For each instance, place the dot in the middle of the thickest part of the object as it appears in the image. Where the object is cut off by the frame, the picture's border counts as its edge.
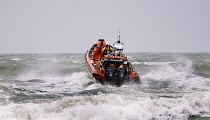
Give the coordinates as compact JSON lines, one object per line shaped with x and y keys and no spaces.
{"x":72,"y":26}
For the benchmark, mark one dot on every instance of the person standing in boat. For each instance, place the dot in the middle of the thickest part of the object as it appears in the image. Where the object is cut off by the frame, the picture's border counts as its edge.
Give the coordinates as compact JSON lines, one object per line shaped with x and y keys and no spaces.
{"x":106,"y":50}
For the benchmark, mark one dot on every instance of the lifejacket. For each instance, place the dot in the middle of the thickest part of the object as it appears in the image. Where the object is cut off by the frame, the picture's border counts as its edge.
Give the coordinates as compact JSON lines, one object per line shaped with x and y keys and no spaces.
{"x":104,"y":51}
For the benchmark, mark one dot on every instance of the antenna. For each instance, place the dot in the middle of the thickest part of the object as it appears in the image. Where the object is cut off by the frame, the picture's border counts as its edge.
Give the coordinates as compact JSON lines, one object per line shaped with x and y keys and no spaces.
{"x":119,"y":34}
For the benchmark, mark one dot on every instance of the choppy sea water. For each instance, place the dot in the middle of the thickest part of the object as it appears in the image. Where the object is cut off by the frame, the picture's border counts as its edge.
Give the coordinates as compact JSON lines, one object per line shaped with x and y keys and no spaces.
{"x":174,"y":86}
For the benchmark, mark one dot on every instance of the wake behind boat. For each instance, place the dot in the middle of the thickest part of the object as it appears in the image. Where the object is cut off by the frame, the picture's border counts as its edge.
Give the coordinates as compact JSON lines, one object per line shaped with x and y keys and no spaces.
{"x":108,"y":64}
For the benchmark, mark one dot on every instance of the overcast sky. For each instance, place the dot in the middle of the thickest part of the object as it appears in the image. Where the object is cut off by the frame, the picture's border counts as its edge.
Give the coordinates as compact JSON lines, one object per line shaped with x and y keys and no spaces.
{"x":73,"y":26}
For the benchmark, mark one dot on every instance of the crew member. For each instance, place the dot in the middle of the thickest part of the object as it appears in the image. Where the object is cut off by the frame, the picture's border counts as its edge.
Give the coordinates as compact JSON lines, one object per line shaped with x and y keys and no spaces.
{"x":121,"y":67}
{"x":106,"y":50}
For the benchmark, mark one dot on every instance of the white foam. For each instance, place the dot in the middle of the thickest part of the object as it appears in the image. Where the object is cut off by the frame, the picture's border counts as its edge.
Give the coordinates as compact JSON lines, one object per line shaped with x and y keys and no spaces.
{"x":151,"y":63}
{"x":180,"y":75}
{"x":163,"y":73}
{"x":74,"y":61}
{"x":111,"y":107}
{"x":136,"y":63}
{"x":93,"y":86}
{"x":16,"y":59}
{"x":78,"y":61}
{"x":1,"y":91}
{"x":129,"y":57}
{"x":72,"y":83}
{"x":40,"y":71}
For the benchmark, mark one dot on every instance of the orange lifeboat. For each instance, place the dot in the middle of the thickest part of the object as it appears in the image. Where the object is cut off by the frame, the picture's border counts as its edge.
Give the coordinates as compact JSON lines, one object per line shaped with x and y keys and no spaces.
{"x":112,"y":68}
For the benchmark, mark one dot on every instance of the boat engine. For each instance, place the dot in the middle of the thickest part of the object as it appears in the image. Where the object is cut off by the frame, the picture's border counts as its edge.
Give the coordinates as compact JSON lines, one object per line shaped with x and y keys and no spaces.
{"x":120,"y":76}
{"x":109,"y":74}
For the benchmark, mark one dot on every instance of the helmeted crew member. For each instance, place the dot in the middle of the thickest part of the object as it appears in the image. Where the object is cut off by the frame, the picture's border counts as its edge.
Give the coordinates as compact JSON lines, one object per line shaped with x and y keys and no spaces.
{"x":121,"y":66}
{"x":106,"y":50}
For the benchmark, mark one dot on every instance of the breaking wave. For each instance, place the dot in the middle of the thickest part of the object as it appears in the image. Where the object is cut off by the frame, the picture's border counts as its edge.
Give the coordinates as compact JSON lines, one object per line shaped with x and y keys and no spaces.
{"x":177,"y":75}
{"x":56,"y":84}
{"x":112,"y":107}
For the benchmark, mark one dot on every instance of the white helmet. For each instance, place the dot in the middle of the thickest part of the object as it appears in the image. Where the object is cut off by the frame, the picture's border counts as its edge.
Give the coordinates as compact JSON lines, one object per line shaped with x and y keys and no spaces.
{"x":107,"y":43}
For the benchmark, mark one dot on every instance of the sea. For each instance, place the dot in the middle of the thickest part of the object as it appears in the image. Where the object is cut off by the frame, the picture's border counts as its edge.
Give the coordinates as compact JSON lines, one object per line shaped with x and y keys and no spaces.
{"x":174,"y":86}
